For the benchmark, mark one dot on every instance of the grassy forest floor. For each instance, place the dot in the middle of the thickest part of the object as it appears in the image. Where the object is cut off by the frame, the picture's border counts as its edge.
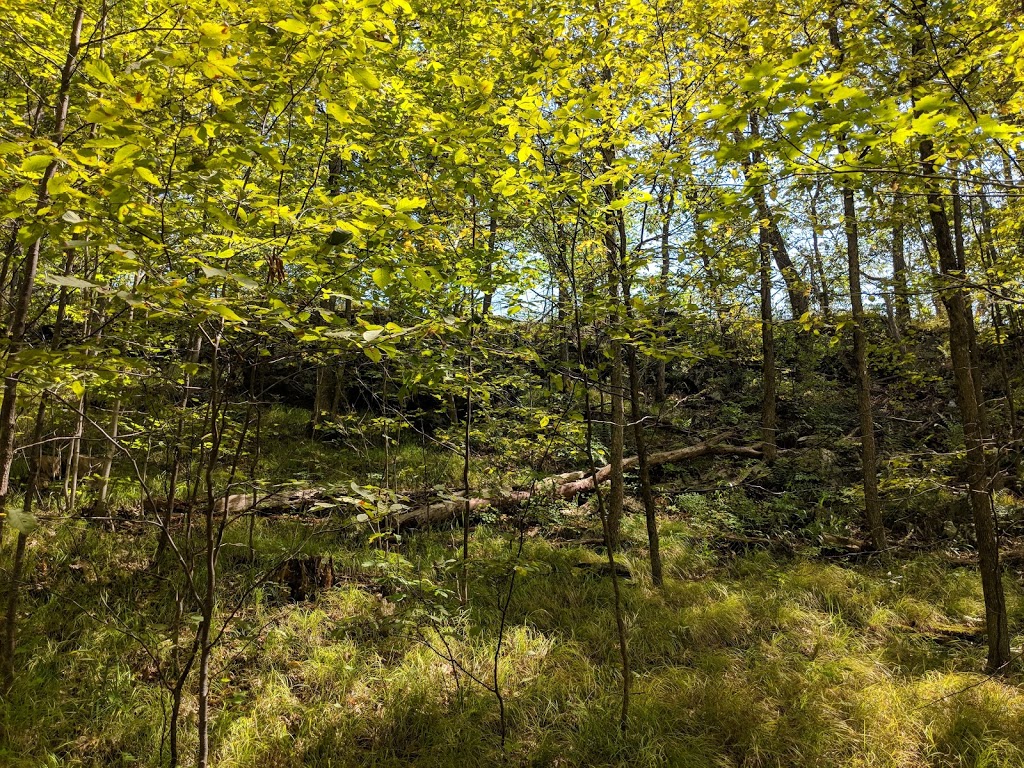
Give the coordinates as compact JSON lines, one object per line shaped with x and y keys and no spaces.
{"x":771,"y":644}
{"x":744,"y":659}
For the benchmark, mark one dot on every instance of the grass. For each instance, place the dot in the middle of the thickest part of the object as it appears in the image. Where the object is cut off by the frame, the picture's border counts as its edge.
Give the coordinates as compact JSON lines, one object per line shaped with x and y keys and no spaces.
{"x":739,"y":661}
{"x":742,"y":660}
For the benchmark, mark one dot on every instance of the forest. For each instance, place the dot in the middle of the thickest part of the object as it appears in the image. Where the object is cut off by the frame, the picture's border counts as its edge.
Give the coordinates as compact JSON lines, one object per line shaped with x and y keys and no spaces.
{"x":511,"y":383}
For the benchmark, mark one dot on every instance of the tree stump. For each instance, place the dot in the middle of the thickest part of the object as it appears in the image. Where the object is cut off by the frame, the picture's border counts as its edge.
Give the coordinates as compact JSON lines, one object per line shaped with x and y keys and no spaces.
{"x":305,"y":576}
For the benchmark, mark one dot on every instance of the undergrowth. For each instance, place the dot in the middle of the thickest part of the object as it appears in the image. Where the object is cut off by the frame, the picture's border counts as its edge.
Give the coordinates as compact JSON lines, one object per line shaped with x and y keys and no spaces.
{"x":742,"y":659}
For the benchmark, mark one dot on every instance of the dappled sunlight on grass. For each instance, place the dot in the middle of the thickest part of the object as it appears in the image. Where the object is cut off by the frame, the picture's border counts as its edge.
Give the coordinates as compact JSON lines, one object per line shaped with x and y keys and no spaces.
{"x":741,"y":660}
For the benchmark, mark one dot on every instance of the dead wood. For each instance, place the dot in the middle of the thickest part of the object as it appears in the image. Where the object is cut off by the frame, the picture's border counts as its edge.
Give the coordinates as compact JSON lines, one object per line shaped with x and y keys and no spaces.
{"x":565,"y":486}
{"x":291,"y":502}
{"x":305,"y":576}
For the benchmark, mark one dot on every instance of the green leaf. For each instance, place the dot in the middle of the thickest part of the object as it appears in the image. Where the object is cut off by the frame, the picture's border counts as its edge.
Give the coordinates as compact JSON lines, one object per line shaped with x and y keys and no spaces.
{"x":842,"y":92}
{"x":147,"y":175}
{"x":293,"y":26}
{"x":407,"y":204}
{"x":366,"y":78}
{"x":336,"y":111}
{"x":227,"y":313}
{"x":23,"y":522}
{"x":418,"y":278}
{"x":213,"y":34}
{"x":382,"y":277}
{"x":100,"y":70}
{"x":244,"y":281}
{"x":67,"y":281}
{"x":930,"y":103}
{"x":35,"y":163}
{"x":339,"y":238}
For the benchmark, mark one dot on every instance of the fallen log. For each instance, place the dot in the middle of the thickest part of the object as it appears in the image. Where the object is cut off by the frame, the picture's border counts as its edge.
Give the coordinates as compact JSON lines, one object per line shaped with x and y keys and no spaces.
{"x":567,"y":485}
{"x":281,"y":503}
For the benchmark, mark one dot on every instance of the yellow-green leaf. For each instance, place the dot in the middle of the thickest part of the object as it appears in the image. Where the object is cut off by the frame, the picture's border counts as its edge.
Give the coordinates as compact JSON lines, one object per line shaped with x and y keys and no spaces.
{"x":365,"y":78}
{"x":418,"y":278}
{"x":100,"y":70}
{"x":227,"y":313}
{"x":147,"y":175}
{"x":293,"y":26}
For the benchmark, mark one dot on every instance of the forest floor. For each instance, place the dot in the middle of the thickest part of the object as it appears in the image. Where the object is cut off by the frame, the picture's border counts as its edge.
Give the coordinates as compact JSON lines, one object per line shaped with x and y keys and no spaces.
{"x":753,"y":653}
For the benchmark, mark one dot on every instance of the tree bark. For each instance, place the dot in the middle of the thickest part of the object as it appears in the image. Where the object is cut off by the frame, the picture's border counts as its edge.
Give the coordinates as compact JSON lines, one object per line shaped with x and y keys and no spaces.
{"x":817,"y":263}
{"x":961,"y":266}
{"x":990,"y":257}
{"x":901,"y":290}
{"x":663,"y":298}
{"x":492,"y":244}
{"x":19,"y":319}
{"x":636,"y":414}
{"x":213,"y":515}
{"x":769,"y":413}
{"x":798,"y":301}
{"x":615,"y":247}
{"x":957,"y":307}
{"x":868,"y":452}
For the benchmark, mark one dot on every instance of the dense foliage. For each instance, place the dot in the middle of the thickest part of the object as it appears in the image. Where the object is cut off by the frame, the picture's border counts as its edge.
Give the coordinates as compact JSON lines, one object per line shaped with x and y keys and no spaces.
{"x":596,"y":369}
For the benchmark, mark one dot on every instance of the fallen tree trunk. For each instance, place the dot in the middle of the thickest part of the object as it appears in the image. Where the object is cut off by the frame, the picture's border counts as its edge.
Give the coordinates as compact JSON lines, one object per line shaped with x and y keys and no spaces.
{"x":565,"y":486}
{"x":281,"y":503}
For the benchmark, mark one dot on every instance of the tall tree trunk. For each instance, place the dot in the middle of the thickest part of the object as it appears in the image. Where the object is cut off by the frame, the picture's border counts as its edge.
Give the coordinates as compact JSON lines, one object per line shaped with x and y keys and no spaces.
{"x":990,"y":255}
{"x":564,"y":313}
{"x":795,"y":287}
{"x":868,"y":453}
{"x":208,"y":605}
{"x":610,"y":544}
{"x":663,"y":296}
{"x":767,"y":231}
{"x":818,"y":265}
{"x":17,"y":572}
{"x":108,"y":458}
{"x":614,"y":253}
{"x":901,"y":290}
{"x":961,"y":265}
{"x":492,"y":244}
{"x":960,"y":339}
{"x":19,"y":318}
{"x":34,"y":468}
{"x":933,"y":267}
{"x":7,"y":271}
{"x":769,"y":415}
{"x":636,"y":415}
